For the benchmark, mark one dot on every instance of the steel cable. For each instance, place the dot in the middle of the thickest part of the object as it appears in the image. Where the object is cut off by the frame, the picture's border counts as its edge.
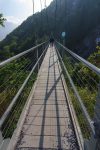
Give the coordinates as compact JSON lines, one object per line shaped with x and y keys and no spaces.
{"x":17,"y":76}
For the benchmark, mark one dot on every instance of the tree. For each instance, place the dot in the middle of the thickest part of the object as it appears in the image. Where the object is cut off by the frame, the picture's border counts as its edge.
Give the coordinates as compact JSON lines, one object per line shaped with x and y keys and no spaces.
{"x":2,"y":19}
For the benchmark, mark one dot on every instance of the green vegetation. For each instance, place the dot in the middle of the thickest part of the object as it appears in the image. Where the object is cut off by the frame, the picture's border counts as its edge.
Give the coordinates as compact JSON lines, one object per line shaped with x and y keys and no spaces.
{"x":81,"y":119}
{"x":76,"y":17}
{"x":86,"y":83}
{"x":11,"y":122}
{"x":95,"y":57}
{"x":12,"y":77}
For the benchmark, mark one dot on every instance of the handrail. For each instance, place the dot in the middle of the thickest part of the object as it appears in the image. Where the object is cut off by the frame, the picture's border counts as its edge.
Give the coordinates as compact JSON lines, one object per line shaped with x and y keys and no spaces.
{"x":19,"y":55}
{"x":85,"y":62}
{"x":89,"y":121}
{"x":7,"y":112}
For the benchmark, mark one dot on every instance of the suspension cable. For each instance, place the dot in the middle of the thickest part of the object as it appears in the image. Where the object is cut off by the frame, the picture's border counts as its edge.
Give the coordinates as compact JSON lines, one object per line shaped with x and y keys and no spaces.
{"x":41,"y":14}
{"x":5,"y":115}
{"x":17,"y":77}
{"x":65,"y":13}
{"x":33,"y":6}
{"x":15,"y":72}
{"x":47,"y":18}
{"x":55,"y":16}
{"x":90,"y":123}
{"x":19,"y":55}
{"x":45,"y":5}
{"x":41,"y":4}
{"x":80,"y":59}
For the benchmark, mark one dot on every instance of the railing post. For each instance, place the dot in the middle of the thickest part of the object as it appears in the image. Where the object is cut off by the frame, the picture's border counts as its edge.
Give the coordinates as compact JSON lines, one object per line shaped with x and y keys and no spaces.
{"x":37,"y":56}
{"x":37,"y":59}
{"x":43,"y":47}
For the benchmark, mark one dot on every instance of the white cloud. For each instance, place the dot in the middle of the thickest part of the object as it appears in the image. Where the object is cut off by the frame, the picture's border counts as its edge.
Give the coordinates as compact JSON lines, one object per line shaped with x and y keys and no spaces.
{"x":21,"y":1}
{"x":26,"y":5}
{"x":37,"y":3}
{"x":13,"y":20}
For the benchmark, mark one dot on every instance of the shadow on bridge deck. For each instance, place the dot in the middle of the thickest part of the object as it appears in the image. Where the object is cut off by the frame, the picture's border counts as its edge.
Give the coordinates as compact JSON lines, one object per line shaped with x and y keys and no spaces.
{"x":48,"y":123}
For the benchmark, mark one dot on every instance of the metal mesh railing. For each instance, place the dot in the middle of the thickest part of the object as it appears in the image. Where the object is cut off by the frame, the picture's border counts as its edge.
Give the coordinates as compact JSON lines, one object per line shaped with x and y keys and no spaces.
{"x":17,"y":75}
{"x":82,"y":79}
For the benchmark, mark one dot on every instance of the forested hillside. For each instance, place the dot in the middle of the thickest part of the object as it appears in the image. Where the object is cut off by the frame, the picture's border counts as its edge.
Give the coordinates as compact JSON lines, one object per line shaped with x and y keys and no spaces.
{"x":78,"y":18}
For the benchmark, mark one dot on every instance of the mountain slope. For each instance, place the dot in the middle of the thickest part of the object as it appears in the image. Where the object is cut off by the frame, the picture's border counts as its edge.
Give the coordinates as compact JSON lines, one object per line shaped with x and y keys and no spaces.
{"x":76,"y":17}
{"x":9,"y":27}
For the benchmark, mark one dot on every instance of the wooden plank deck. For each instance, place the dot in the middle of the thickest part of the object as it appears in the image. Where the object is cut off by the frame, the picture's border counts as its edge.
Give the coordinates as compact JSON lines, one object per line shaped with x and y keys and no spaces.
{"x":48,"y":124}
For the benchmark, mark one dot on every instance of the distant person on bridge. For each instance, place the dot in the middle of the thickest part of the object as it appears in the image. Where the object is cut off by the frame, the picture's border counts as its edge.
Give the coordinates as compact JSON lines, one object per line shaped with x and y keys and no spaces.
{"x":51,"y":42}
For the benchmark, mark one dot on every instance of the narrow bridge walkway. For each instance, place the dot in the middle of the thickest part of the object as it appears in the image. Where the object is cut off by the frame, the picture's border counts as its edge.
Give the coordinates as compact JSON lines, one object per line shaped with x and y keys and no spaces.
{"x":48,"y":123}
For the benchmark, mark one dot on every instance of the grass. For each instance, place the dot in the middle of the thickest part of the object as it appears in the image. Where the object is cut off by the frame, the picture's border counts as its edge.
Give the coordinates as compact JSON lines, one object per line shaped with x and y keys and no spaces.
{"x":11,"y":122}
{"x":87,"y":95}
{"x":89,"y":99}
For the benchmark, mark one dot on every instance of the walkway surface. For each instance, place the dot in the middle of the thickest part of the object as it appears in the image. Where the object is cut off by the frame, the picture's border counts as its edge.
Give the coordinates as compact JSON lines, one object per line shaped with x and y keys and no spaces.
{"x":48,"y":124}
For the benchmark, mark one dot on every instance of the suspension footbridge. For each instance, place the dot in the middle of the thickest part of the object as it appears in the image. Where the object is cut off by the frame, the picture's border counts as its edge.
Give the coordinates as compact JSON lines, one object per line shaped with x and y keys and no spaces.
{"x":47,"y":123}
{"x":49,"y":118}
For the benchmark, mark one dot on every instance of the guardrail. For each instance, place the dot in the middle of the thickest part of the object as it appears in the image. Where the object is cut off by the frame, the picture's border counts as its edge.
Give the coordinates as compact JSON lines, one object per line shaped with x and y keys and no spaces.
{"x":82,"y":79}
{"x":20,"y":55}
{"x":85,"y":62}
{"x":7,"y":112}
{"x":26,"y":63}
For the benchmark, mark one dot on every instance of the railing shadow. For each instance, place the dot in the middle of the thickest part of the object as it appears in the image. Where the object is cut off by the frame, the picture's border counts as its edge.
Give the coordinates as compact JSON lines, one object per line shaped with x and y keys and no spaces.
{"x":47,"y":95}
{"x":48,"y":92}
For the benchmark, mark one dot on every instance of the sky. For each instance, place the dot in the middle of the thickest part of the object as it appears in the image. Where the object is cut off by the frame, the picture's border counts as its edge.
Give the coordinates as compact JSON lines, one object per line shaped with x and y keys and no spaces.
{"x":16,"y":11}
